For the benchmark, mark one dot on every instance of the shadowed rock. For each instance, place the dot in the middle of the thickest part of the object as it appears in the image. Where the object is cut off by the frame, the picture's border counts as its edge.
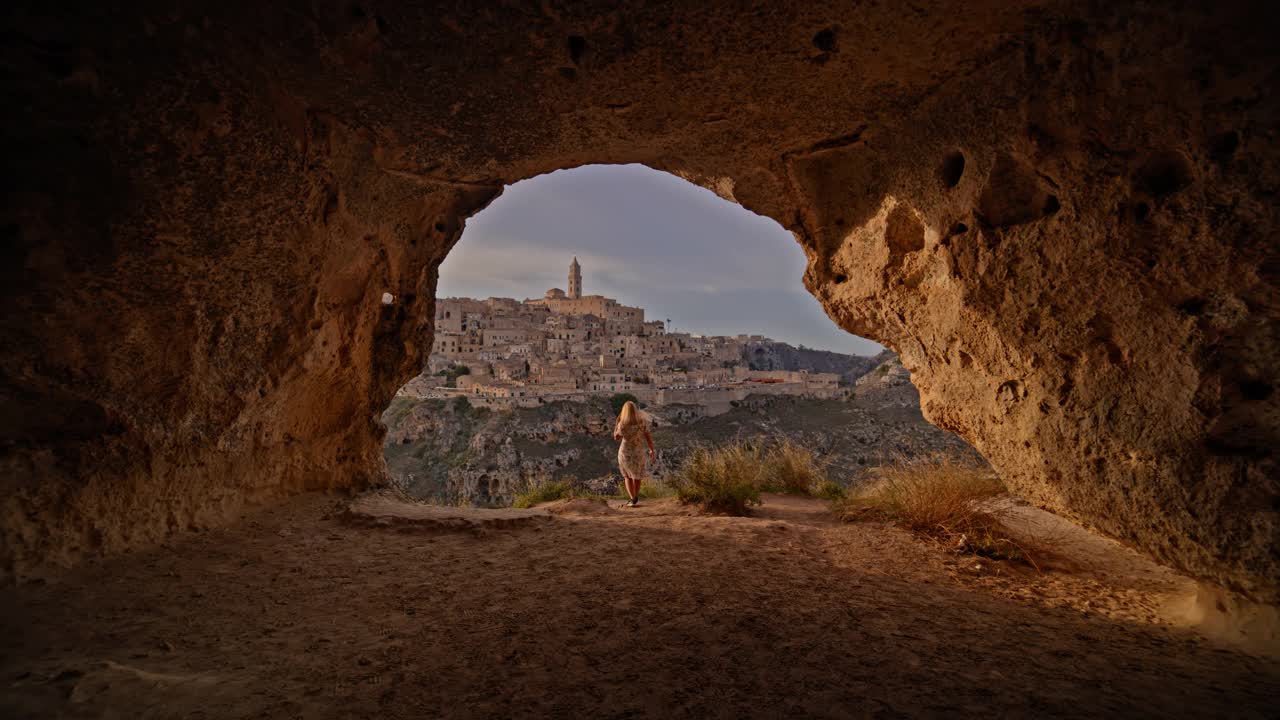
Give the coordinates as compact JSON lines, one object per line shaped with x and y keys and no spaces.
{"x":204,"y":206}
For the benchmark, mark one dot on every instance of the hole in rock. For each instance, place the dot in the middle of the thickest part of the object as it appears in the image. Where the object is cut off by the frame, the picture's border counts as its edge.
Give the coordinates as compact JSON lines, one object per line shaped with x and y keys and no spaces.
{"x":1140,"y":211}
{"x":951,"y":169}
{"x":1194,"y":306}
{"x":577,"y":45}
{"x":1164,"y":173}
{"x":825,"y":40}
{"x":578,"y":290}
{"x":1255,"y":390}
{"x":1223,"y":145}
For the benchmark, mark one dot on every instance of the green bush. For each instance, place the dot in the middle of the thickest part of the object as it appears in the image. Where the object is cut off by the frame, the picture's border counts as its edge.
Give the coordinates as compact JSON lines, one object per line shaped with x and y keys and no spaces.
{"x":451,"y":373}
{"x":830,"y":490}
{"x":461,"y":404}
{"x":617,"y":401}
{"x":720,"y":480}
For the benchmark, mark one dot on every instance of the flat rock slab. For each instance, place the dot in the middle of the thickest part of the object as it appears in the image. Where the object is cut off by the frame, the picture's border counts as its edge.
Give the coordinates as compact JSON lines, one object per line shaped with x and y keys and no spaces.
{"x":387,"y":510}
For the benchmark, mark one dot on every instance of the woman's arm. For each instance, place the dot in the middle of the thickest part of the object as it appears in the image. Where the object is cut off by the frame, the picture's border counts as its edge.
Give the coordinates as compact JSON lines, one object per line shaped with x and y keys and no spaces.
{"x":652,"y":453}
{"x":616,"y":435}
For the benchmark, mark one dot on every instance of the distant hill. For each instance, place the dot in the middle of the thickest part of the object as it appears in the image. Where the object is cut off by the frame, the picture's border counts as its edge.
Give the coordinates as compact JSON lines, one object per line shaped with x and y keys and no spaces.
{"x":771,"y":355}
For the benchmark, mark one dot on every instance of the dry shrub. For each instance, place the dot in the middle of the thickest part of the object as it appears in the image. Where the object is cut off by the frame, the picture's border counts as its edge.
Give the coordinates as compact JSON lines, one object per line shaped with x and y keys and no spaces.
{"x":544,"y":492}
{"x":830,"y":490}
{"x":792,"y":468}
{"x":729,"y":478}
{"x":721,"y":480}
{"x":942,"y":498}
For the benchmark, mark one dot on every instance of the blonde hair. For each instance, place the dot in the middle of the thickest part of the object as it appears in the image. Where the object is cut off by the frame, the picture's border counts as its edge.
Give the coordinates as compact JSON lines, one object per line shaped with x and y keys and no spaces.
{"x":630,"y":414}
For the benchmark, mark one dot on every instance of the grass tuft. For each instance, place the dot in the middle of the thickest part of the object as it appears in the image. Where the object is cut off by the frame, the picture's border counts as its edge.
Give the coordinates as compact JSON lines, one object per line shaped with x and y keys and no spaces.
{"x":941,"y":498}
{"x":830,"y":490}
{"x":545,"y":492}
{"x":792,"y":468}
{"x":729,"y":478}
{"x":724,"y":480}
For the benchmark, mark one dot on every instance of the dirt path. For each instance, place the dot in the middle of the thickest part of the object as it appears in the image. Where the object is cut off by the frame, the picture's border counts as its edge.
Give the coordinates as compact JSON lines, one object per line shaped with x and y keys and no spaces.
{"x":611,"y":613}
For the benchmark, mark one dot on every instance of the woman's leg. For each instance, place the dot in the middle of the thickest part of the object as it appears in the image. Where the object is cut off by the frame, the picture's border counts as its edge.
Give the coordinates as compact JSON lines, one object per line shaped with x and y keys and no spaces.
{"x":626,"y":481}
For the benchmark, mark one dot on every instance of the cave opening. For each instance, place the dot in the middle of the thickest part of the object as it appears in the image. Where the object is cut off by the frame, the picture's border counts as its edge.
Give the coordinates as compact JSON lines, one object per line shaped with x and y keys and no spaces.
{"x":674,"y":296}
{"x":223,"y":225}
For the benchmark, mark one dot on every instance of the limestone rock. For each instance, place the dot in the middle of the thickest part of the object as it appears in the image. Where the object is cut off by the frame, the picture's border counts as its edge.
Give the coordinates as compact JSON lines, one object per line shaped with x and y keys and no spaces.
{"x":1060,"y":215}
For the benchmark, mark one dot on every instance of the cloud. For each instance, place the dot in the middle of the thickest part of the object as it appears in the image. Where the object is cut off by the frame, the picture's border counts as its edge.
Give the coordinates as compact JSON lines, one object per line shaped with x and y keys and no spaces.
{"x":650,"y":239}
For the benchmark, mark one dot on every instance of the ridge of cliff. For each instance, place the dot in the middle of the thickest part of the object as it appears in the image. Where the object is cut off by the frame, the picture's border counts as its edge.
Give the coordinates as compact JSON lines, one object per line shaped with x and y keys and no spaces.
{"x":774,"y":355}
{"x":449,"y":451}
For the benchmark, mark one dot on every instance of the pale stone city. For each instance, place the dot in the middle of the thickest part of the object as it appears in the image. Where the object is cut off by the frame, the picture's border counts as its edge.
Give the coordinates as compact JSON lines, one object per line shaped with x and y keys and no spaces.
{"x":569,"y":346}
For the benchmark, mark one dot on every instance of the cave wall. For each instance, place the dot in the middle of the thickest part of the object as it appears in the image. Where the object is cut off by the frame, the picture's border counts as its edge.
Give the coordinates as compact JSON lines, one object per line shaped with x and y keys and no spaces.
{"x":1059,"y":214}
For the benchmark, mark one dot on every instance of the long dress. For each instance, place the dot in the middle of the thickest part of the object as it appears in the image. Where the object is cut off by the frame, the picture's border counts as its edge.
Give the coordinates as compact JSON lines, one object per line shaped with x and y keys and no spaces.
{"x":631,"y":453}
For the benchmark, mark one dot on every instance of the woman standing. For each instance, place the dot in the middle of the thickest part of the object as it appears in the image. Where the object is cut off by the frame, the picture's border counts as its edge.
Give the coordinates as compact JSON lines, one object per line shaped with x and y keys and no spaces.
{"x":630,"y":429}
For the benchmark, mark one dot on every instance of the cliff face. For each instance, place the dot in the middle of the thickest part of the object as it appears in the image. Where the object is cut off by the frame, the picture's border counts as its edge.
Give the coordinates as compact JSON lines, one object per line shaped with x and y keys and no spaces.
{"x":447,"y":451}
{"x":888,"y":384}
{"x":1060,"y":215}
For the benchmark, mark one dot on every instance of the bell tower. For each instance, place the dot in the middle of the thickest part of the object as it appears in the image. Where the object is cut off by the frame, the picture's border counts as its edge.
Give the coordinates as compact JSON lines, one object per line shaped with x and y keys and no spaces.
{"x":575,"y":279}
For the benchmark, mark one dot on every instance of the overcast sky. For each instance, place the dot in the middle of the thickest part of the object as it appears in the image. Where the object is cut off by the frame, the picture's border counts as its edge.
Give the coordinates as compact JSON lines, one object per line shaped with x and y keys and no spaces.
{"x":649,"y":239}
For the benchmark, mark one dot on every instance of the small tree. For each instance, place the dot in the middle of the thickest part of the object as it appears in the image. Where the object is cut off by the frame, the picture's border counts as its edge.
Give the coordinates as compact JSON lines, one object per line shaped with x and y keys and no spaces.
{"x":461,"y":404}
{"x":452,"y":373}
{"x":617,"y":401}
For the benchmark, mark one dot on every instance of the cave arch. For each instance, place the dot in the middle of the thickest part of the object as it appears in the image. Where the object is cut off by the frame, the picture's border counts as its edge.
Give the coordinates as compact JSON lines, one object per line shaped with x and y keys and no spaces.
{"x":206,"y":205}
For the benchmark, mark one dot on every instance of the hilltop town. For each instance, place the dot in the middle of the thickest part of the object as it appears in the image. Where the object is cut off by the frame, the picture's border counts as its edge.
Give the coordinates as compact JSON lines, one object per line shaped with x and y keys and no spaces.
{"x":504,"y":353}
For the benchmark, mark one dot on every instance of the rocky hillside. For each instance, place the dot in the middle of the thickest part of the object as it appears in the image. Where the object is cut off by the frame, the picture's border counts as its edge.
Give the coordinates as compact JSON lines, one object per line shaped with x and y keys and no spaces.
{"x":772,"y":355}
{"x":449,"y":451}
{"x":887,"y":385}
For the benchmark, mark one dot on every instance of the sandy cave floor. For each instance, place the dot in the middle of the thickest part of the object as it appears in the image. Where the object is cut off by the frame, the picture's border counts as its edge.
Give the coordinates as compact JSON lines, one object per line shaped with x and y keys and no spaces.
{"x":297,"y":611}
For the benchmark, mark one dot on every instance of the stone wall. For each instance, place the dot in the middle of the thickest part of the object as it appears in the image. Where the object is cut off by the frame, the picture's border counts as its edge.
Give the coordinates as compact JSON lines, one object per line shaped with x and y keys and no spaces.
{"x":1060,"y":215}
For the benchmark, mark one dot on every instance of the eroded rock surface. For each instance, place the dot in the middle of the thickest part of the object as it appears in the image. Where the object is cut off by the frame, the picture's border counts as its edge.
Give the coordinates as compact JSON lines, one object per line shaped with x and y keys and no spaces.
{"x":1060,"y":215}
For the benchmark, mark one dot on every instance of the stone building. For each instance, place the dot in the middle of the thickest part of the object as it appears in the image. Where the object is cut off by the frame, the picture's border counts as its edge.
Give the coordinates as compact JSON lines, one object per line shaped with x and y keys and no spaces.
{"x":566,"y":345}
{"x":575,"y":280}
